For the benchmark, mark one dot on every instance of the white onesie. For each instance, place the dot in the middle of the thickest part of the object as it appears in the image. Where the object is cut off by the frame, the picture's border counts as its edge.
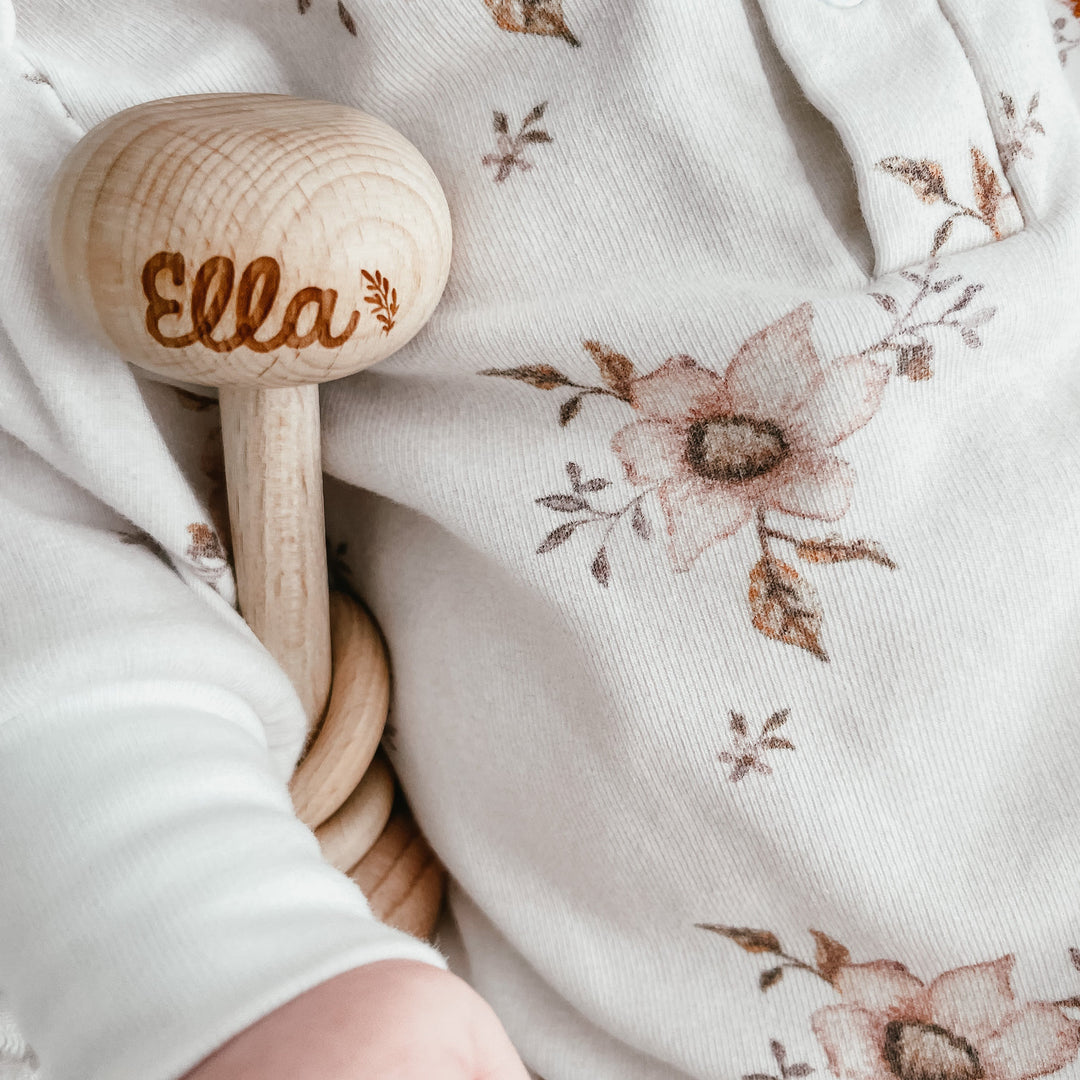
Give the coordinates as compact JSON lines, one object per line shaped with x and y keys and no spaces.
{"x":722,"y":525}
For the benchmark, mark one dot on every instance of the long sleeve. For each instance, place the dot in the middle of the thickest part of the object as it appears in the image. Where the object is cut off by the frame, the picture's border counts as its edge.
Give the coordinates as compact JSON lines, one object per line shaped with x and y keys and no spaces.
{"x":157,"y":895}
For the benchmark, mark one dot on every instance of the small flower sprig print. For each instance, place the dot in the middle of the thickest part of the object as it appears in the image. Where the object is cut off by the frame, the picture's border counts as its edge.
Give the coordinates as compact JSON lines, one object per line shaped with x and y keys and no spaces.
{"x":1019,"y":130}
{"x":747,"y":754}
{"x":1062,"y":25}
{"x":908,"y":338}
{"x":382,"y":298}
{"x":927,"y":180}
{"x":344,"y":17}
{"x":510,"y":148}
{"x":786,"y":1071}
{"x":575,"y":502}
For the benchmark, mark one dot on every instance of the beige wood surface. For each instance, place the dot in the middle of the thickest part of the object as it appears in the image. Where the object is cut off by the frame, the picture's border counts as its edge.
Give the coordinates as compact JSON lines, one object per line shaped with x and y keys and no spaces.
{"x":256,"y":242}
{"x":274,"y":481}
{"x":263,"y":245}
{"x":348,"y":835}
{"x":355,"y":716}
{"x":401,"y":877}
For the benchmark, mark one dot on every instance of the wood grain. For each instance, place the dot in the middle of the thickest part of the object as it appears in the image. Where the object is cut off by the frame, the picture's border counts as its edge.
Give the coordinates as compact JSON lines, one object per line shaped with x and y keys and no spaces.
{"x":263,"y":245}
{"x":401,"y":878}
{"x":347,"y":836}
{"x":274,"y":484}
{"x":355,"y":716}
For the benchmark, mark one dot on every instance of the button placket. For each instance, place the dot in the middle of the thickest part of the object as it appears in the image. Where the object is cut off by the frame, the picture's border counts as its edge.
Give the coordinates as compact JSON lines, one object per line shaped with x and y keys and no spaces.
{"x":894,"y":80}
{"x":1029,"y":102}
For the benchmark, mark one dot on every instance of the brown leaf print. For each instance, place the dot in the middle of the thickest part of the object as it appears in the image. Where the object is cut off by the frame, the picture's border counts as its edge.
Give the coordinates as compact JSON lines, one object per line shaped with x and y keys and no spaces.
{"x":785,"y":607}
{"x":542,"y":376}
{"x":345,"y":18}
{"x":510,"y":153}
{"x":532,"y":17}
{"x":830,"y":955}
{"x":987,"y":189}
{"x":925,"y":178}
{"x":383,"y":299}
{"x":615,"y":369}
{"x":751,"y":941}
{"x":828,"y":949}
{"x":546,"y":377}
{"x":832,"y":549}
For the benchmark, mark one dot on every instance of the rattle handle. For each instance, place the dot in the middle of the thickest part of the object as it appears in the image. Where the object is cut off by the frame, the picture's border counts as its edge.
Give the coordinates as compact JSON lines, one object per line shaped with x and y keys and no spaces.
{"x":273,"y":473}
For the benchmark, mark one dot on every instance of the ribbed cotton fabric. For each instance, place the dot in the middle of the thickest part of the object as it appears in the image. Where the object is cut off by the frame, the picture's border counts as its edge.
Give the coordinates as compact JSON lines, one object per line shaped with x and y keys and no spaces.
{"x":720,"y":523}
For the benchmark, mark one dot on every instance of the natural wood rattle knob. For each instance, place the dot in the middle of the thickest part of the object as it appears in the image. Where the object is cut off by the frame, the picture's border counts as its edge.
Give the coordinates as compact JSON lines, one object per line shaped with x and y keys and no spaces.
{"x":263,"y":245}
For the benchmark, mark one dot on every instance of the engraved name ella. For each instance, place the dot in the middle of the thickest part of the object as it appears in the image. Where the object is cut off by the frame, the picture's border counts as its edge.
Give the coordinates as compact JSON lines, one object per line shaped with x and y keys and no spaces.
{"x":212,"y":289}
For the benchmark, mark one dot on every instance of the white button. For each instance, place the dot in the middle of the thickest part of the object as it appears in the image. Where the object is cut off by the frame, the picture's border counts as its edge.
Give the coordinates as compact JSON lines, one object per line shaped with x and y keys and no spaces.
{"x":843,"y":3}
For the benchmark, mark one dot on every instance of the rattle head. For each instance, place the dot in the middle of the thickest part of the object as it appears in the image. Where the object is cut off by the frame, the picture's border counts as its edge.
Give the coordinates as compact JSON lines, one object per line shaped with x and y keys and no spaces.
{"x":249,"y":239}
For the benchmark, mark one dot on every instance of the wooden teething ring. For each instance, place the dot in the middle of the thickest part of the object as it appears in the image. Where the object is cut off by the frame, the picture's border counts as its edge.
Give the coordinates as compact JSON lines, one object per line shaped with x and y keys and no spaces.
{"x":262,"y":245}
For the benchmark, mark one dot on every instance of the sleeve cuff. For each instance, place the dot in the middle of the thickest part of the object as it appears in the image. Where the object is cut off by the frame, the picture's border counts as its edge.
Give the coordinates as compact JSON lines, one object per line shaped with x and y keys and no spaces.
{"x":159,"y":895}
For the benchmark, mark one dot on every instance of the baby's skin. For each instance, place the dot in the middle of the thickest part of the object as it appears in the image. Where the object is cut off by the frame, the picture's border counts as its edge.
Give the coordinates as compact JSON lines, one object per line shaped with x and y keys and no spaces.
{"x":391,"y":1020}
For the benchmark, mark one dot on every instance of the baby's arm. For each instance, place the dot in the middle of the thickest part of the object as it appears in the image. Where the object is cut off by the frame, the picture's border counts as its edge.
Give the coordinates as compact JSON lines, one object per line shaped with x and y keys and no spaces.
{"x":396,"y":1020}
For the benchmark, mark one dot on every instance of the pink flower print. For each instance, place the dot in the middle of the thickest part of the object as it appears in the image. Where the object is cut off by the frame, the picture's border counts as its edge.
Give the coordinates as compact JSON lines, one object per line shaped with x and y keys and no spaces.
{"x":966,"y":1025}
{"x":720,"y":450}
{"x":758,"y":438}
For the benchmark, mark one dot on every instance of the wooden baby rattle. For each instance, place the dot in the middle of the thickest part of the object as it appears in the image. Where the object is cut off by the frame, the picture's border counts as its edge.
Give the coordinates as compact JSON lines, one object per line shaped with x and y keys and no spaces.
{"x":262,"y":245}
